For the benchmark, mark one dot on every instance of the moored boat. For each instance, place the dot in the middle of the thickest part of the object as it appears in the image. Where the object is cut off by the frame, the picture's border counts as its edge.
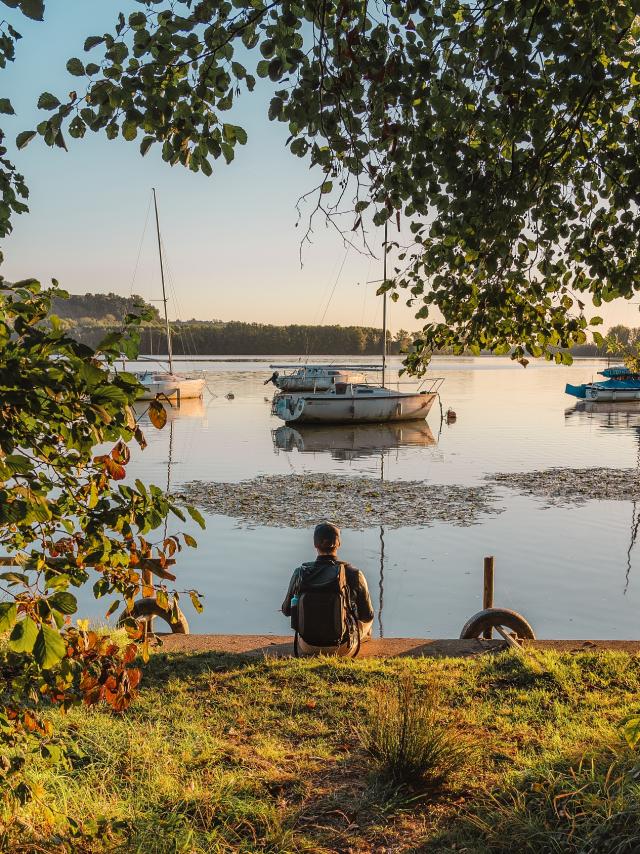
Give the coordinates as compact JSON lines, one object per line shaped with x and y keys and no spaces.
{"x":167,"y":384}
{"x":315,"y":377}
{"x":357,"y":403}
{"x":620,"y":384}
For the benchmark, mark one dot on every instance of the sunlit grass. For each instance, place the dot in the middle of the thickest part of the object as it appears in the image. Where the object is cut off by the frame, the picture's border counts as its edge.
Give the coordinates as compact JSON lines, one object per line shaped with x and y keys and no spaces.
{"x":221,"y":754}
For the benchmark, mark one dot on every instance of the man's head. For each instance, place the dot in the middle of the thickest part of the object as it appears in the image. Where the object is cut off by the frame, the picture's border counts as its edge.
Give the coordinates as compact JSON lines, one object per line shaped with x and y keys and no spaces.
{"x":326,"y":538}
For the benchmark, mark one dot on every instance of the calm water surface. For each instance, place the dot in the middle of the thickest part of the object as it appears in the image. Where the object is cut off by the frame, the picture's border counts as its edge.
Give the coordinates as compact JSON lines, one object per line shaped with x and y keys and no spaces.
{"x":571,"y":571}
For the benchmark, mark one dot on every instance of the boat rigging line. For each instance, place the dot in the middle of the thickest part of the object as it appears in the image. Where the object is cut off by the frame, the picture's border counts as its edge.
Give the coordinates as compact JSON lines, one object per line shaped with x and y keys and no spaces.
{"x":164,"y":293}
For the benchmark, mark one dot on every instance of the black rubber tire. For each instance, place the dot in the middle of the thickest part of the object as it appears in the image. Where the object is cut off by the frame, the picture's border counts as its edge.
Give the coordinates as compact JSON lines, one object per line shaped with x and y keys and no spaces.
{"x":149,"y":608}
{"x":492,"y":617}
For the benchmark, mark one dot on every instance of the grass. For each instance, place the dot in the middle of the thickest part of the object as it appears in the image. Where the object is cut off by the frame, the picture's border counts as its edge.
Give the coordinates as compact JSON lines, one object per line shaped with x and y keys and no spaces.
{"x":403,"y":731}
{"x":221,"y":754}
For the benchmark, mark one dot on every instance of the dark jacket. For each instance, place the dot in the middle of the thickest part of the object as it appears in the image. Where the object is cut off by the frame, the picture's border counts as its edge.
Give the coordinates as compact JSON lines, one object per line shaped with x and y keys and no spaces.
{"x":356,"y":582}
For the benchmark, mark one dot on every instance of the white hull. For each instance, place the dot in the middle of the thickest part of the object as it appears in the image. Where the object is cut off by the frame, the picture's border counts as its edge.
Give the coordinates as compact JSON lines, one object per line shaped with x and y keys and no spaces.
{"x":381,"y":405}
{"x":611,"y":395}
{"x":170,"y":386}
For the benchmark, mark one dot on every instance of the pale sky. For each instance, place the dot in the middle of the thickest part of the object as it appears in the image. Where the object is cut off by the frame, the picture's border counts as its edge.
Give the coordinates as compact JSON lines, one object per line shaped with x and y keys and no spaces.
{"x":231,"y":239}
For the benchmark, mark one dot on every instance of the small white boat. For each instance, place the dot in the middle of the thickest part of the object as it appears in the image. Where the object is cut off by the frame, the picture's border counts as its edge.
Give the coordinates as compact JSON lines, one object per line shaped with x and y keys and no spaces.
{"x":315,"y":377}
{"x":357,"y":403}
{"x":169,"y":386}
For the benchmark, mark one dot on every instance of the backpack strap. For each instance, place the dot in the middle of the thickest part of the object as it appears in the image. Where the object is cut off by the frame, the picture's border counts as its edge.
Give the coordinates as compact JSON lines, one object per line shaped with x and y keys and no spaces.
{"x":350,"y":608}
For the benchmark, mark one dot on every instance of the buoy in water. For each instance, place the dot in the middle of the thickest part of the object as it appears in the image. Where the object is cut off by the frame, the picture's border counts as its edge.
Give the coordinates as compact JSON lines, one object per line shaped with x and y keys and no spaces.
{"x":230,"y":395}
{"x":450,"y":416}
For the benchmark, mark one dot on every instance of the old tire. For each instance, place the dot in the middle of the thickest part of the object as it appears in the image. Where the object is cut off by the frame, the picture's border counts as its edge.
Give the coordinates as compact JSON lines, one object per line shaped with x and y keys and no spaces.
{"x":492,"y":617}
{"x":148,"y":608}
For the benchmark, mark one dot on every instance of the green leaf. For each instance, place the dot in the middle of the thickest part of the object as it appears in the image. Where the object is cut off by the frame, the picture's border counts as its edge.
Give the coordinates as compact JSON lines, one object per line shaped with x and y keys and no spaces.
{"x":23,"y":139}
{"x":129,"y":131}
{"x":6,"y":108}
{"x":47,"y":101}
{"x":49,"y":647}
{"x":326,"y":187}
{"x":8,"y":614}
{"x":196,"y":516}
{"x":64,"y":602}
{"x":33,"y":9}
{"x":146,"y":144}
{"x":190,"y":541}
{"x":631,"y":730}
{"x":75,"y":66}
{"x":23,"y":636}
{"x":92,"y":42}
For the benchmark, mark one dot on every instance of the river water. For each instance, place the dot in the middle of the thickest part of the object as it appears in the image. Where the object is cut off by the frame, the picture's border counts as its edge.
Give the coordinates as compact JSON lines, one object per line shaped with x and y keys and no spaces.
{"x":573,"y":572}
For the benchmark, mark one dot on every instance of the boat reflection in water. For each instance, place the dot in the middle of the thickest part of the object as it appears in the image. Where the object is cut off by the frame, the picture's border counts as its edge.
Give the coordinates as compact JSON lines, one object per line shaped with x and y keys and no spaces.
{"x":190,"y":407}
{"x":349,"y":442}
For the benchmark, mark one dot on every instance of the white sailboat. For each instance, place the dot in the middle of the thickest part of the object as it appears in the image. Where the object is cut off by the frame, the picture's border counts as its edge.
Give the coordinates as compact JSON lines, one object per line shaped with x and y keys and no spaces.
{"x":167,"y":384}
{"x":316,"y":377}
{"x":357,"y":402}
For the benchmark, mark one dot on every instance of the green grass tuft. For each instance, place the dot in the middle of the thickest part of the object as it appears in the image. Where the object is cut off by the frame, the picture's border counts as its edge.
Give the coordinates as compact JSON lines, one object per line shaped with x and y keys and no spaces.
{"x":405,"y":734}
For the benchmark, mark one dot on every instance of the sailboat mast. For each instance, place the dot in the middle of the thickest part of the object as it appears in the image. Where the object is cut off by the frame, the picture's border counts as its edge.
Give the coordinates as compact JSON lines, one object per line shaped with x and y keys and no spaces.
{"x":384,"y":308}
{"x":164,"y":293}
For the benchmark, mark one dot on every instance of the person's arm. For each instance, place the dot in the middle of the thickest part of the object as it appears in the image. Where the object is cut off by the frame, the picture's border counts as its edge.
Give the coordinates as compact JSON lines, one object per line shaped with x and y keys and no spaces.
{"x":362,"y":597}
{"x":286,"y":605}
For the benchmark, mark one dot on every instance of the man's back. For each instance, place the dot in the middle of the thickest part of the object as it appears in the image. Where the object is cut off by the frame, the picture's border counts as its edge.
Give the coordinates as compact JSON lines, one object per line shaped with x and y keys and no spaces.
{"x":324,"y":568}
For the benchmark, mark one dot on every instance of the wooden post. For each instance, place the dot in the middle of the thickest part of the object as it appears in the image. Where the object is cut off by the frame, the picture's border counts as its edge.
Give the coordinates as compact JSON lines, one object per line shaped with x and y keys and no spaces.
{"x":487,"y":593}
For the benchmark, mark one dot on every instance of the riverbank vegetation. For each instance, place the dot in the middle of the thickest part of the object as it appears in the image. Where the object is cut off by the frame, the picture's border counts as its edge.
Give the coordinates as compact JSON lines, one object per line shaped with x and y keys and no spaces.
{"x":88,"y":317}
{"x":223,"y":754}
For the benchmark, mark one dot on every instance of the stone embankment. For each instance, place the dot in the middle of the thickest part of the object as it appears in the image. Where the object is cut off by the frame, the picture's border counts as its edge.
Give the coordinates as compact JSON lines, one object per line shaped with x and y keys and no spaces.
{"x":281,"y":646}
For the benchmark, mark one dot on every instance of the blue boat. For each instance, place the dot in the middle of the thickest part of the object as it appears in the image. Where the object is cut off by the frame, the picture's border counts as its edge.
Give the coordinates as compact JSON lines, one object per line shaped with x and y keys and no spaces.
{"x":619,"y":384}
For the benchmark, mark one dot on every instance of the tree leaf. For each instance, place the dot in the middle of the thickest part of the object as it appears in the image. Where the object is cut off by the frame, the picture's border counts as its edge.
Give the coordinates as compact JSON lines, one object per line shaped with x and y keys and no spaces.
{"x":23,"y":636}
{"x":23,"y":139}
{"x":75,"y":66}
{"x":64,"y":602}
{"x":47,"y":101}
{"x":6,"y":107}
{"x":49,"y":647}
{"x":8,"y":614}
{"x":157,"y":414}
{"x":196,"y":516}
{"x":195,"y":600}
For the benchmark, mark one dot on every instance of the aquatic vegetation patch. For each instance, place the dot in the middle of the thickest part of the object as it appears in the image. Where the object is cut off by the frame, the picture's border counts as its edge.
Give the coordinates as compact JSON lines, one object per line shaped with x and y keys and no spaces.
{"x":574,"y":486}
{"x":298,"y":501}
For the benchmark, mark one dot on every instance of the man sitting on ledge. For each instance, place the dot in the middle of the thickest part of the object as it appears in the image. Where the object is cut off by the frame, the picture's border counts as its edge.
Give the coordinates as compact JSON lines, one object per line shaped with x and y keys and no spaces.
{"x":328,"y":601}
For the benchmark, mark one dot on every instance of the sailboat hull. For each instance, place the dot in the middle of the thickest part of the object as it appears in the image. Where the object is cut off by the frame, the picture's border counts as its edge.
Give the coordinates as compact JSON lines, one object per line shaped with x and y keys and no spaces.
{"x":332,"y":409}
{"x":170,"y":387}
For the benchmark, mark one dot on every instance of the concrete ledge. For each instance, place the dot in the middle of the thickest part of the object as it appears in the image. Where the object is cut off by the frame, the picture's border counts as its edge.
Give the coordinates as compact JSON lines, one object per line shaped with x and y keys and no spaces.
{"x":280,"y":646}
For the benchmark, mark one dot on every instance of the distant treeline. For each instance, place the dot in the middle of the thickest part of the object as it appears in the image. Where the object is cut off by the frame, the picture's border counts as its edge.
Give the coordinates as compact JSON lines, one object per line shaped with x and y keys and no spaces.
{"x":252,"y":339}
{"x":91,"y":316}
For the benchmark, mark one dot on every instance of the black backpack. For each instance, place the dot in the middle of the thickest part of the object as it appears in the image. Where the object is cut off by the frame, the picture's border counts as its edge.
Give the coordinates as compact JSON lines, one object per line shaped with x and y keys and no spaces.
{"x":325,"y":614}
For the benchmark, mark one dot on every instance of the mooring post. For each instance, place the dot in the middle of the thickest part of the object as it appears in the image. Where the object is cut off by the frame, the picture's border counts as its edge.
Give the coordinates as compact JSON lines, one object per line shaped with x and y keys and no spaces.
{"x":487,"y":593}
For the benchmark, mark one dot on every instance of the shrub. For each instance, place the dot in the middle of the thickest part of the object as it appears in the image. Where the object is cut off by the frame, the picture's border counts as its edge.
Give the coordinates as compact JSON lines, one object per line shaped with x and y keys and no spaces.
{"x":404,"y":733}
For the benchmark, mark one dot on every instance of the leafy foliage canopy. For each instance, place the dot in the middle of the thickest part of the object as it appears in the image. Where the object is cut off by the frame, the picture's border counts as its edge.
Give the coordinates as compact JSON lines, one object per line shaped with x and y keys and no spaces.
{"x":502,"y":132}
